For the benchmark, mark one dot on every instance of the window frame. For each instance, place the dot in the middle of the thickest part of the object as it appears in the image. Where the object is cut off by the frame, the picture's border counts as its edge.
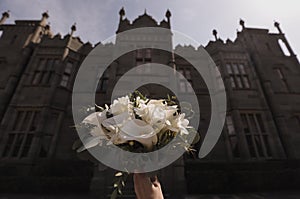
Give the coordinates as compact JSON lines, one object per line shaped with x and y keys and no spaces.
{"x":143,"y":56}
{"x":235,"y":150}
{"x":43,"y":74}
{"x":256,"y":135}
{"x":67,"y":74}
{"x":238,"y":76}
{"x":18,"y":149}
{"x":187,"y":74}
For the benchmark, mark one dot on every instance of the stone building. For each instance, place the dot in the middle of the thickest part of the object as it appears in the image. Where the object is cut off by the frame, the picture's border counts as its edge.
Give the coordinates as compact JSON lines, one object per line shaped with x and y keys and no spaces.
{"x":259,"y":146}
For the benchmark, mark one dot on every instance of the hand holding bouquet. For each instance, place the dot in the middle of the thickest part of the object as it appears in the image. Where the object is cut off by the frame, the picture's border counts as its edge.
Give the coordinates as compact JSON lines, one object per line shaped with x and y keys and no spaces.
{"x":137,"y":124}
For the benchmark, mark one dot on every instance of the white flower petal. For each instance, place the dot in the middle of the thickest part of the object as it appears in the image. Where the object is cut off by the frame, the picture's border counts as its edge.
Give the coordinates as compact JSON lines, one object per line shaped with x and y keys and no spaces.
{"x":91,"y":119}
{"x":89,"y":142}
{"x":120,"y":105}
{"x":115,"y":121}
{"x":184,"y":131}
{"x":137,"y":129}
{"x":96,"y":119}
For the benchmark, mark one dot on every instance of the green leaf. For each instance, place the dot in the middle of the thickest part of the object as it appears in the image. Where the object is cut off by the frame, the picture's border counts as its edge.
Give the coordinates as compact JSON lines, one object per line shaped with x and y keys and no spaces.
{"x":120,"y":191}
{"x":76,"y":144}
{"x":114,"y":194}
{"x":196,"y":139}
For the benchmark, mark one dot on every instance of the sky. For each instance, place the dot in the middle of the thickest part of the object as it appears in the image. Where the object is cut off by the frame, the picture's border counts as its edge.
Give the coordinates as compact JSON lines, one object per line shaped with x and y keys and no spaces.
{"x":97,"y":20}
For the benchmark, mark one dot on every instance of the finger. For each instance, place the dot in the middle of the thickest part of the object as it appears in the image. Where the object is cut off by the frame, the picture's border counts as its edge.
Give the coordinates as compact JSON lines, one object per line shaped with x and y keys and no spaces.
{"x":154,"y":181}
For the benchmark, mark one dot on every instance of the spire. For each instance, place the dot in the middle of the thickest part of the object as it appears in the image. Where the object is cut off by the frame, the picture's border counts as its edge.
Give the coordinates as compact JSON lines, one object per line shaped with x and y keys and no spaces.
{"x":145,"y":11}
{"x":66,"y":51}
{"x":5,"y":15}
{"x":168,"y":15}
{"x":277,"y":25}
{"x":39,"y":31}
{"x":215,"y":33}
{"x":122,"y":13}
{"x":242,"y":23}
{"x":73,"y":28}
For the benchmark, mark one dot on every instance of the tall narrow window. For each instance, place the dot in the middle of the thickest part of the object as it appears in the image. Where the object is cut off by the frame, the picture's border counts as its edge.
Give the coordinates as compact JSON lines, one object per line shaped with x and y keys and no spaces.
{"x":49,"y":131}
{"x":282,"y":79}
{"x":139,"y":54}
{"x":67,"y":74}
{"x":143,"y":56}
{"x":256,"y":135}
{"x":148,"y":55}
{"x":38,"y":73}
{"x":185,"y":81}
{"x":103,"y":83}
{"x":20,"y":139}
{"x":44,"y":72}
{"x":238,"y":76}
{"x":234,"y":144}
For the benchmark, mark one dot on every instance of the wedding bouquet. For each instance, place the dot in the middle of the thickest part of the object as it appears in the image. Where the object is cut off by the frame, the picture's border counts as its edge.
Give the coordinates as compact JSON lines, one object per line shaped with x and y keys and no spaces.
{"x":136,"y":124}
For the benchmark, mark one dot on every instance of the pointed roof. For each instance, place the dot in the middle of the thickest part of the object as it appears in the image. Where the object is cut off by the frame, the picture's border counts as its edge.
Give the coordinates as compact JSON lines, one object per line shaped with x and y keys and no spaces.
{"x":143,"y":20}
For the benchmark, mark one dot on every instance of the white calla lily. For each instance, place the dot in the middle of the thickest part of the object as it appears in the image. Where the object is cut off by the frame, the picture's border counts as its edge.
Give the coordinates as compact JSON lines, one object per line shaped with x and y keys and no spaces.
{"x":154,"y":116}
{"x":114,"y":123}
{"x":140,"y":131}
{"x":96,"y":119}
